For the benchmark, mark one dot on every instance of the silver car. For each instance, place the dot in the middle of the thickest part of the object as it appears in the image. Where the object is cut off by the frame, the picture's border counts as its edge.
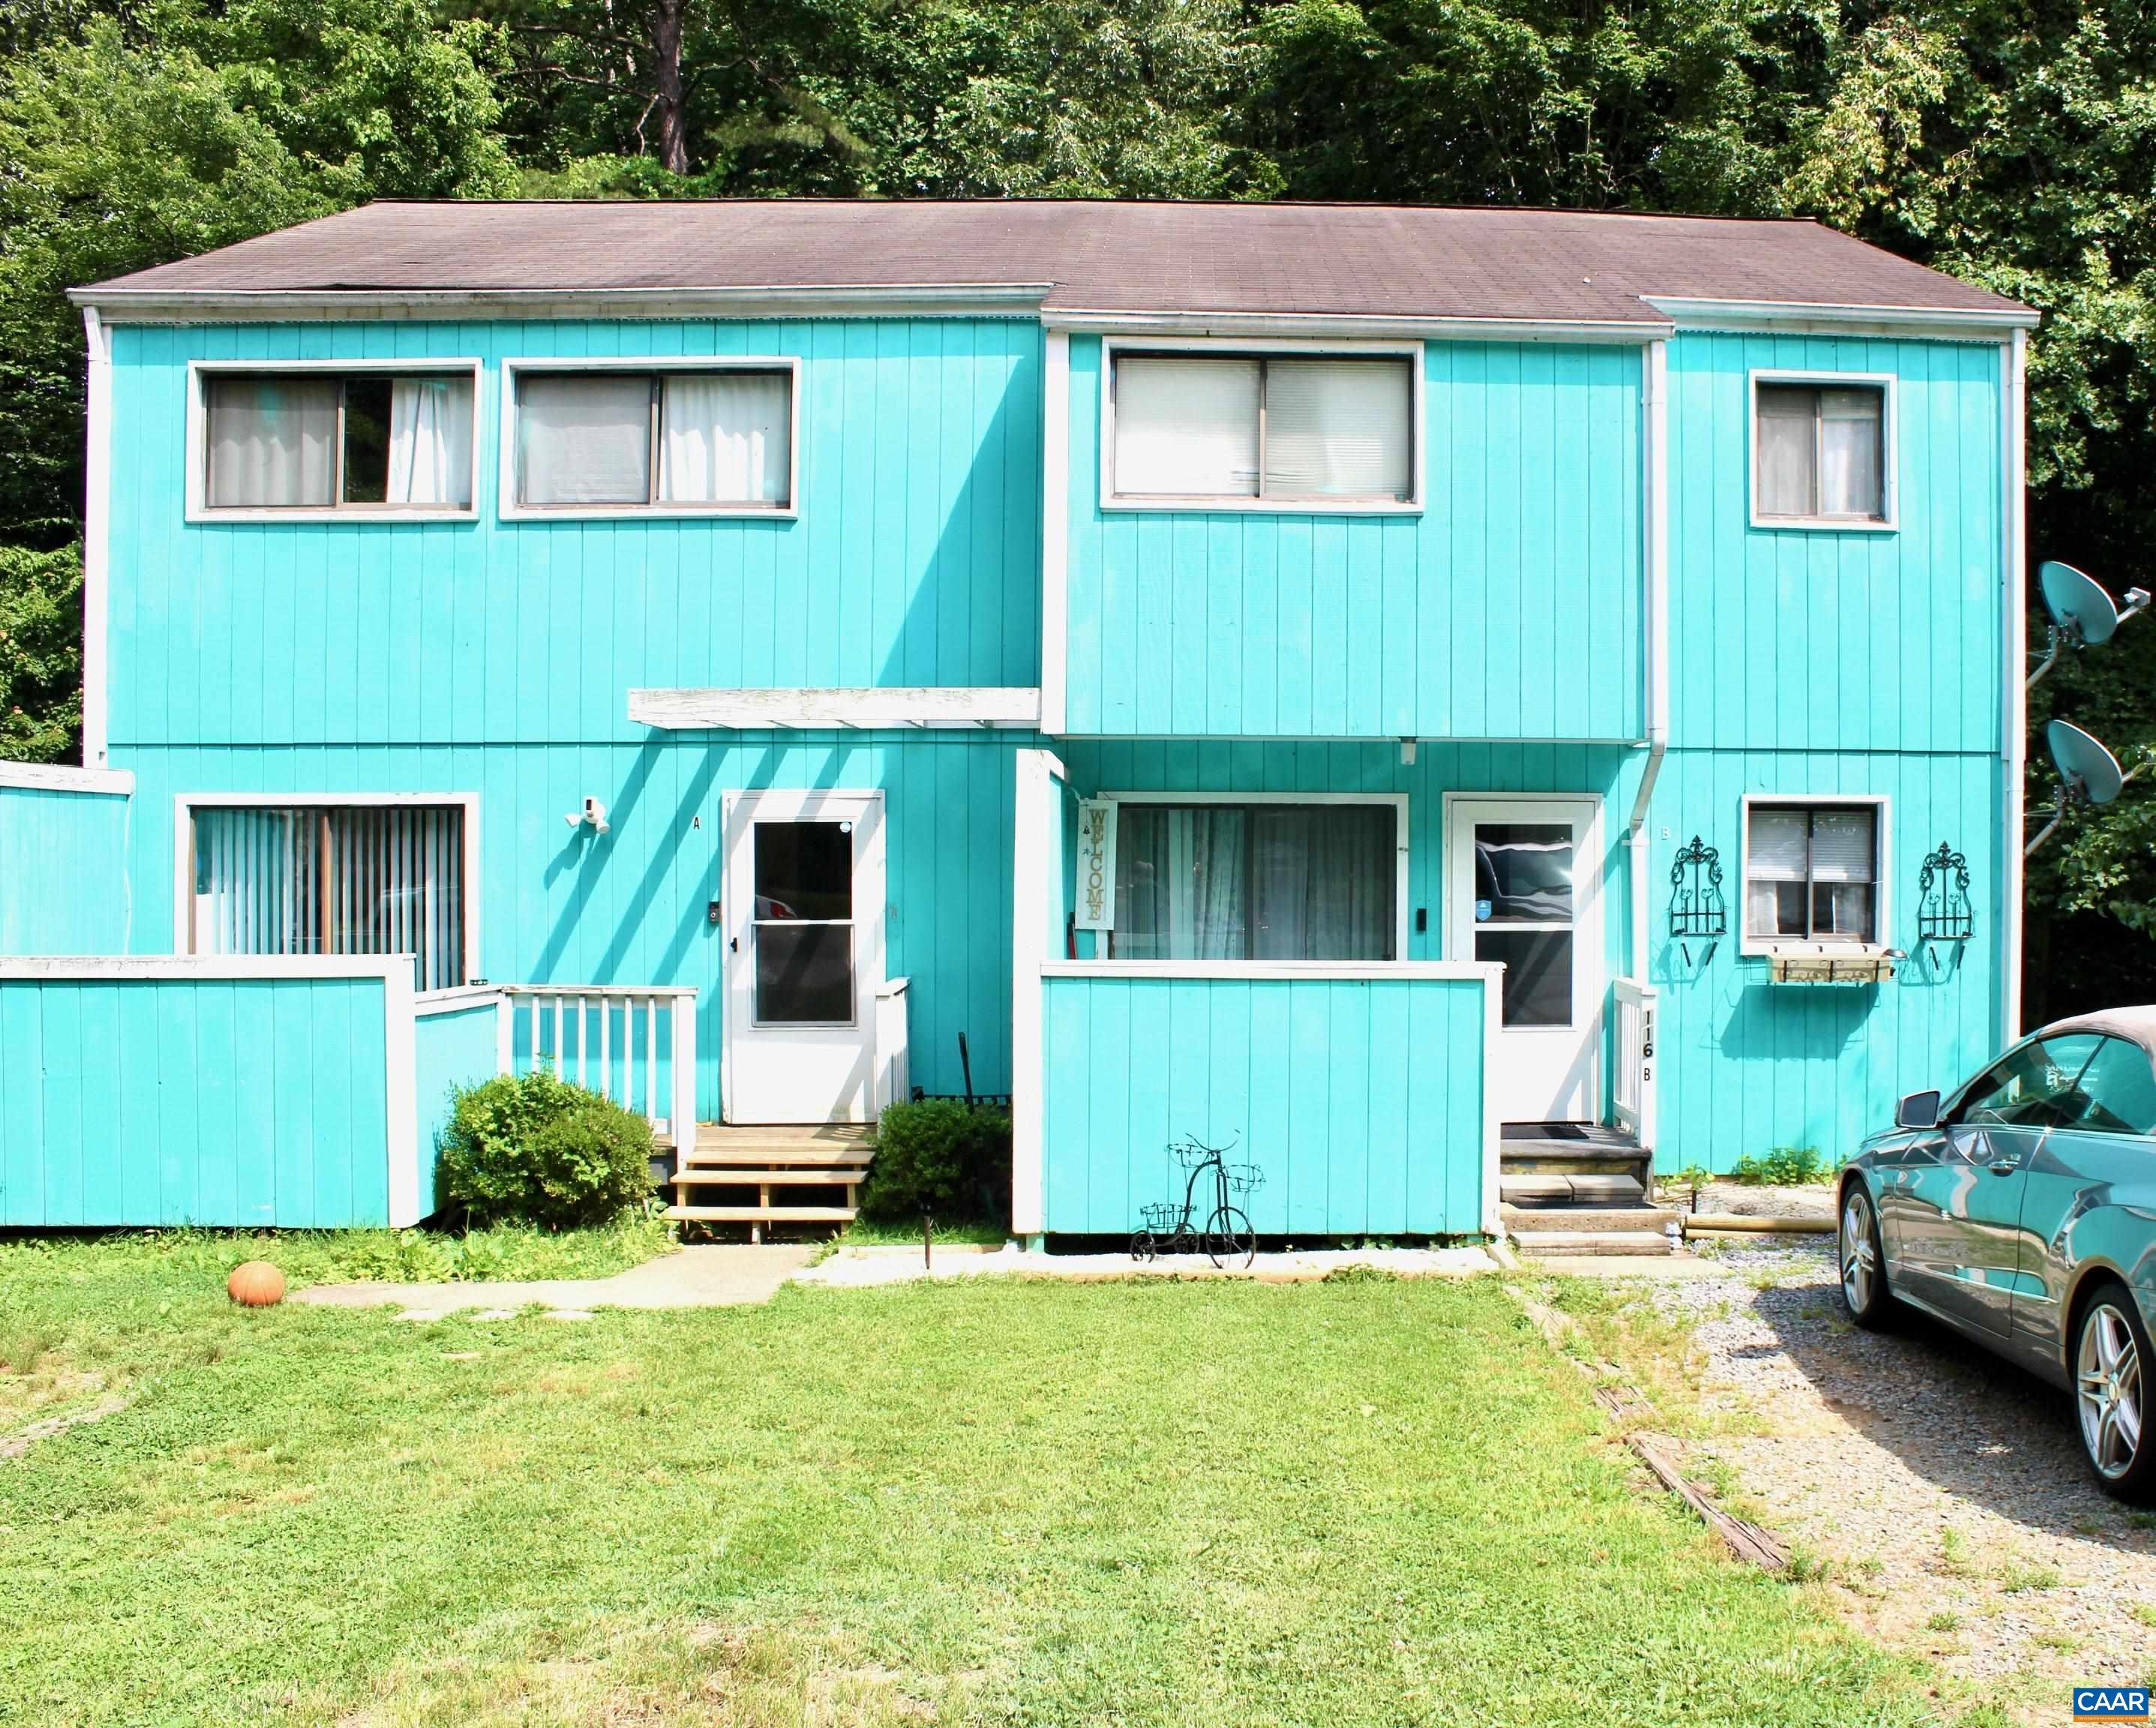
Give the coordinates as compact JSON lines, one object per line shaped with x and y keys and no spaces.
{"x":2021,"y":1210}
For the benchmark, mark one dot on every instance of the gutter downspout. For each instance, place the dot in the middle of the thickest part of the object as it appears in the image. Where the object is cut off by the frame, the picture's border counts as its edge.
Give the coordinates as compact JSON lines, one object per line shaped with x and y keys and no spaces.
{"x":97,"y":533}
{"x":1655,"y":632}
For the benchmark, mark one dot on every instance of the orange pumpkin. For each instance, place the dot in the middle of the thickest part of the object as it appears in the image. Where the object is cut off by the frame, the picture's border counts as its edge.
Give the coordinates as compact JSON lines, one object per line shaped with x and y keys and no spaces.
{"x":256,"y":1284}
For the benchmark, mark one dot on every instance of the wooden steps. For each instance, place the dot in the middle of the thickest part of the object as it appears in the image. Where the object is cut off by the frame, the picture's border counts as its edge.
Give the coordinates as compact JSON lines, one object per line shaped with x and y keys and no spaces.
{"x":1578,"y":1188}
{"x":797,"y":1164}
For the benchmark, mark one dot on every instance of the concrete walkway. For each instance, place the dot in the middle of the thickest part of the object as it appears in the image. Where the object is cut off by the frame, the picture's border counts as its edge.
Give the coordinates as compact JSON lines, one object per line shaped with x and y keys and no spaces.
{"x":858,"y":1268}
{"x":715,"y":1276}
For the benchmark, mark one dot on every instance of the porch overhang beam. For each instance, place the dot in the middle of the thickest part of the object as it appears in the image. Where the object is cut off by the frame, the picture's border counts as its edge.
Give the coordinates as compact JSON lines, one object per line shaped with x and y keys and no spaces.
{"x":946,"y":706}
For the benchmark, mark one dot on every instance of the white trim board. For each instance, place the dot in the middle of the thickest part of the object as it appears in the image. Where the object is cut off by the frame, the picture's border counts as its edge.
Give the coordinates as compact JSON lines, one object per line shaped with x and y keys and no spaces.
{"x":1886,"y":384}
{"x":211,"y":966}
{"x":1365,"y":971}
{"x":1403,"y":834}
{"x":55,"y":777}
{"x":510,"y":511}
{"x":922,"y":299}
{"x":1305,"y":327}
{"x":1798,"y":317}
{"x":839,"y":709}
{"x":1034,"y":798}
{"x":1882,"y":910}
{"x":184,"y":805}
{"x":199,"y":508}
{"x":1055,"y":532}
{"x":1260,"y":347}
{"x":2013,"y":744}
{"x":96,"y":542}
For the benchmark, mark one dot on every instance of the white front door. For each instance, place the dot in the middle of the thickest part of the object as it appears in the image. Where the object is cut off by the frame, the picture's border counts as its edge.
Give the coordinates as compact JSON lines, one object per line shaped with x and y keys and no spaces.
{"x":802,"y":908}
{"x":1521,"y":878}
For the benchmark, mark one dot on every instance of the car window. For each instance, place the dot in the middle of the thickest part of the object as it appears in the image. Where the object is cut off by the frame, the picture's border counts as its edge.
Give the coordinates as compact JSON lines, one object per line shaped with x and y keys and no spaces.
{"x":2034,"y":1086}
{"x":2117,"y":1091}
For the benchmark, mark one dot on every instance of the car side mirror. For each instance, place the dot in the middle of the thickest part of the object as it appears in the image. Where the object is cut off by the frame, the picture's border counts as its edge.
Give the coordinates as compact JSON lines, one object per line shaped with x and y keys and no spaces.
{"x":1919,"y":1110}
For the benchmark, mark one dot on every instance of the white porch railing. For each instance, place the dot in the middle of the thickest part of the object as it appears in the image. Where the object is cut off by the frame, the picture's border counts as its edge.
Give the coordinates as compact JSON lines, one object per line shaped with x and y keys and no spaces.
{"x":1633,"y":1096}
{"x":635,"y":1042}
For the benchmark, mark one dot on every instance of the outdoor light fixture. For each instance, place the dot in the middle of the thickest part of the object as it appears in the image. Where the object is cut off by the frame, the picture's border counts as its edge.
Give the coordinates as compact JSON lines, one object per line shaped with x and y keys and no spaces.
{"x":594,"y":813}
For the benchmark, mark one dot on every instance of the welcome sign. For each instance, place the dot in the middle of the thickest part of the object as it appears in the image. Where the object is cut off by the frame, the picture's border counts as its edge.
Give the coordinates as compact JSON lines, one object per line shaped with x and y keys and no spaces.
{"x":1096,"y":865}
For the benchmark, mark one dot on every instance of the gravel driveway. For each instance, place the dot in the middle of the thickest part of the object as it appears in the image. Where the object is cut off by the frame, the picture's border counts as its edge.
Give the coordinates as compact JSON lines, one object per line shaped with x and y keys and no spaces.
{"x":1943,"y":1490}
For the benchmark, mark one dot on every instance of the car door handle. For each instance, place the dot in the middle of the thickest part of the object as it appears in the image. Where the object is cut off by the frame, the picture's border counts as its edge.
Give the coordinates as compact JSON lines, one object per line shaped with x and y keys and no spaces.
{"x":2004,"y":1167}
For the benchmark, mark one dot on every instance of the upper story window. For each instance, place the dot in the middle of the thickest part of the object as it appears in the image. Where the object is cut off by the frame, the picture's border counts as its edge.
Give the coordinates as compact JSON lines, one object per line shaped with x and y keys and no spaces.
{"x":1297,"y":430}
{"x":1820,"y":452}
{"x":321,"y":440}
{"x":1812,"y":872}
{"x":664,"y":441}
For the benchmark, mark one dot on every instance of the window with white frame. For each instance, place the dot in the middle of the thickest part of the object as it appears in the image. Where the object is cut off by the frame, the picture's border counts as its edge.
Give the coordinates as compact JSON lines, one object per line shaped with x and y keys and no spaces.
{"x":324,"y":440}
{"x":340,"y":880}
{"x":1259,"y":881}
{"x":1811,"y":873}
{"x":1821,"y":451}
{"x":708,"y":440}
{"x":1267,"y":427}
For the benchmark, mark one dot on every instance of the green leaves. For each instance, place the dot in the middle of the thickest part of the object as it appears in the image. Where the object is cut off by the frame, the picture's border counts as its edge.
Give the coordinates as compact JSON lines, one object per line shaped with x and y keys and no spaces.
{"x":40,"y":653}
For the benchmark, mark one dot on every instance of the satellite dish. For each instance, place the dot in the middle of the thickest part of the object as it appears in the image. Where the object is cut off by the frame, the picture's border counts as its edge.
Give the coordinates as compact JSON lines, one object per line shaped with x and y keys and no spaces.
{"x":2078,"y":603}
{"x":2090,"y":772}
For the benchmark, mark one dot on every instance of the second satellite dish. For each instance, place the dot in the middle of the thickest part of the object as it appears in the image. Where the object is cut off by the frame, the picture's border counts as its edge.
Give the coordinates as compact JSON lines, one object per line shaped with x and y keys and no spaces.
{"x":2088,"y":771}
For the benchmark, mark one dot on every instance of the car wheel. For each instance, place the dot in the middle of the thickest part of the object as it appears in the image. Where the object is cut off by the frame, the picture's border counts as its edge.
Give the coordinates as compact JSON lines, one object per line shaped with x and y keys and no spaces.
{"x":1862,"y":1260}
{"x":2111,"y":1371}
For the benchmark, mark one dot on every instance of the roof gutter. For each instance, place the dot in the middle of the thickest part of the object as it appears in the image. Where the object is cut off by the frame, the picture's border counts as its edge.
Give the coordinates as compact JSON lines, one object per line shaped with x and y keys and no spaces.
{"x":167,"y":305}
{"x":1968,"y":323}
{"x":1096,"y":321}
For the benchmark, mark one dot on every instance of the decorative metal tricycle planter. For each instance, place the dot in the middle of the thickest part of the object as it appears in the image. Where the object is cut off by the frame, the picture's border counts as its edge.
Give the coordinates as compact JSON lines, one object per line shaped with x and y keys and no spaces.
{"x":1222,"y":1231}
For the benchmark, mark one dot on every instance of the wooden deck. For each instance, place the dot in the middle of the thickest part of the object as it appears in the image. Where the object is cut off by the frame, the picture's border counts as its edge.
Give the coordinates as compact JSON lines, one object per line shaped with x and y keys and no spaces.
{"x":780,"y":1175}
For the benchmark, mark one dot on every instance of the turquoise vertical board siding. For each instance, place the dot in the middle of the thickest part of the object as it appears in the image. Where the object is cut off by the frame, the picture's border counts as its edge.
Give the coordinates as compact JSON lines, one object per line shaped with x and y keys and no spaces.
{"x":62,"y":872}
{"x":1509,"y":607}
{"x":1747,"y":1065}
{"x":1802,"y":638}
{"x":915,"y":558}
{"x":450,"y":1050}
{"x":243,"y":1105}
{"x":558,"y":905}
{"x":1361,"y":1101}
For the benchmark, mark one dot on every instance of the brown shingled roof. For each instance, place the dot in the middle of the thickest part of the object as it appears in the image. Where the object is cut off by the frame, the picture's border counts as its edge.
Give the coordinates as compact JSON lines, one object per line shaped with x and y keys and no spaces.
{"x":1091,"y":256}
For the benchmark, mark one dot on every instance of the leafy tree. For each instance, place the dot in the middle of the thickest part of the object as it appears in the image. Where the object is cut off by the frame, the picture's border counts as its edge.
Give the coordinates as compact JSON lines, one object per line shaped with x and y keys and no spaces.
{"x":40,"y":653}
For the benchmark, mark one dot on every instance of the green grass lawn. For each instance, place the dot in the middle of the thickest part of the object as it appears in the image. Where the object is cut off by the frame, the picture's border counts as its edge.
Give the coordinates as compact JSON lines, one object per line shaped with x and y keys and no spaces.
{"x":1018,"y":1503}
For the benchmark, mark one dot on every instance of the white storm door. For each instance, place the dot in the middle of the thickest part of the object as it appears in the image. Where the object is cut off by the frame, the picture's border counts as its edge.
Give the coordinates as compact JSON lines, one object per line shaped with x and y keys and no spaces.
{"x":802,"y":905}
{"x":1520,"y":888}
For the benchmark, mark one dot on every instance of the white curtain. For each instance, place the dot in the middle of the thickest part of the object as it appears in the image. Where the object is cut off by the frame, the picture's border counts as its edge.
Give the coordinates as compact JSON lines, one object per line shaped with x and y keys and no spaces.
{"x":1849,"y":450}
{"x":724,"y":438}
{"x":1323,"y":882}
{"x":272,"y":442}
{"x":430,"y":441}
{"x":1186,"y":427}
{"x":1261,"y":882}
{"x":1777,"y":852}
{"x":1339,"y":428}
{"x":583,"y":439}
{"x":1787,"y":451}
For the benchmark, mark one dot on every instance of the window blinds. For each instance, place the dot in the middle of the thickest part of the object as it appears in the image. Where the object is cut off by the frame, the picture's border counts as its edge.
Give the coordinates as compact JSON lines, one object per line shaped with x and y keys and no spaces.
{"x":585,"y":439}
{"x":1779,"y":846}
{"x":361,"y":879}
{"x":1338,"y":428}
{"x":1186,"y":427}
{"x":1845,"y":848}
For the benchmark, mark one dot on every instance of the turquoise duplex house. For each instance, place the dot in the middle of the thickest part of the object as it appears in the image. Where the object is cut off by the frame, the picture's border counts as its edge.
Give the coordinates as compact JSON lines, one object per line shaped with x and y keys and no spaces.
{"x":1388,"y":689}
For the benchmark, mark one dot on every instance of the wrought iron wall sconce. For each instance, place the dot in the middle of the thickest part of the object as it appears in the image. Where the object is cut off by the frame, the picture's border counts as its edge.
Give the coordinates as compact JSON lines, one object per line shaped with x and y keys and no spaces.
{"x":1944,"y":913}
{"x":1697,"y":910}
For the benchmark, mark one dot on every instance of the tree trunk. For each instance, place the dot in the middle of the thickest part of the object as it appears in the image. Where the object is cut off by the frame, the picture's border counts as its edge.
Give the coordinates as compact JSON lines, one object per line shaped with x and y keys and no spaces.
{"x":669,"y":103}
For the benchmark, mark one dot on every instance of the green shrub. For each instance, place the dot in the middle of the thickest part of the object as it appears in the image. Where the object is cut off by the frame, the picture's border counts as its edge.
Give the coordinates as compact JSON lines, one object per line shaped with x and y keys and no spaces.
{"x":1785,"y":1166}
{"x":533,"y":1149}
{"x":942,"y":1154}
